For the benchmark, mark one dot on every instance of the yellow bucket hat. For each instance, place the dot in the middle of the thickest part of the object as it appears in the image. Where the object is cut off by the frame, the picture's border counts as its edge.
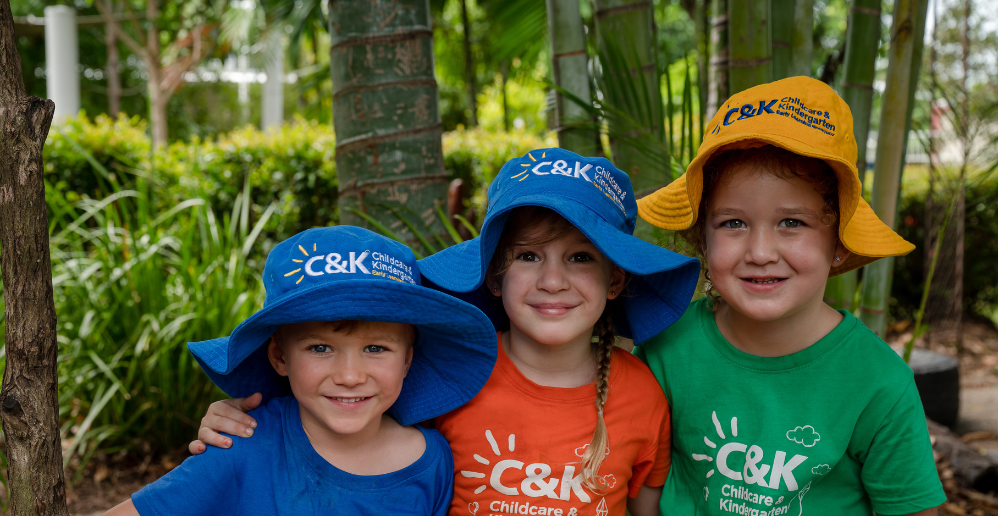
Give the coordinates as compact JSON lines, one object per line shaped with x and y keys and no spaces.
{"x":804,"y":116}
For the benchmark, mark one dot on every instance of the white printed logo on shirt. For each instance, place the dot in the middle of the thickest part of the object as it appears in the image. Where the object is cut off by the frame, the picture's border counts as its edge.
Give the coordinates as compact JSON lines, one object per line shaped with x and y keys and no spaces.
{"x":755,"y":479}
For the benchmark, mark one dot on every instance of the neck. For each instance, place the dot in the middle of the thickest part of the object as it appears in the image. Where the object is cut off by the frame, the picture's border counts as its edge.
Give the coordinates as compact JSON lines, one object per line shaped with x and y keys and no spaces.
{"x":780,"y":337}
{"x":337,"y":448}
{"x":566,"y":365}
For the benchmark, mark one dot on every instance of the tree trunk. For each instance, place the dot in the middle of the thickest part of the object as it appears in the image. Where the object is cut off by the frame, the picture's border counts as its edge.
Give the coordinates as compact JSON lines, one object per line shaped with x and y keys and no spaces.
{"x":802,"y":38}
{"x":113,"y":67}
{"x":157,"y":97}
{"x":751,"y":60}
{"x":386,"y":115}
{"x":469,"y":67}
{"x":906,"y":31}
{"x":29,"y":402}
{"x":783,"y":34}
{"x":625,"y":36}
{"x":569,"y":68}
{"x":862,"y":45}
{"x":717,"y":85}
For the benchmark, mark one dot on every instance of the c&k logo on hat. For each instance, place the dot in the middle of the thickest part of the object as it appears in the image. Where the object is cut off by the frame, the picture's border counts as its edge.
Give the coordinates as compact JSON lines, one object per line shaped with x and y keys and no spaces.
{"x":787,"y":106}
{"x":381,"y":264}
{"x":602,"y":178}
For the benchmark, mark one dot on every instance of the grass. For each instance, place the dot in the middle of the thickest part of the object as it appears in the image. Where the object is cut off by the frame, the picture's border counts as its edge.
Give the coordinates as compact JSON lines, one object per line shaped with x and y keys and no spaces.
{"x":134,"y":283}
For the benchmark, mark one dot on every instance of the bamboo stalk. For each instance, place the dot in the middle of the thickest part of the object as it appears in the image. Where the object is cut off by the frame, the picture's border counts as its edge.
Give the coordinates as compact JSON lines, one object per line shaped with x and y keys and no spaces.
{"x":628,"y":46}
{"x":783,"y":35}
{"x":717,"y":84}
{"x":890,"y":151}
{"x":862,"y":46}
{"x":569,"y":69}
{"x":802,"y":39}
{"x":751,"y":61}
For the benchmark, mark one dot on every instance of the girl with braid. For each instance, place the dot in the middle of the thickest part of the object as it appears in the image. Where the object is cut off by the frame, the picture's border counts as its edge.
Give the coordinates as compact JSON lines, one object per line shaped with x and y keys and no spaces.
{"x":568,"y":424}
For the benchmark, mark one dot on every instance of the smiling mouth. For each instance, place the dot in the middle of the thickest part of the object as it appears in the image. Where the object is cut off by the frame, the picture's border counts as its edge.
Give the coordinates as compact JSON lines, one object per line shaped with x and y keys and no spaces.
{"x":763,"y":281}
{"x":349,"y":400}
{"x":553,"y":308}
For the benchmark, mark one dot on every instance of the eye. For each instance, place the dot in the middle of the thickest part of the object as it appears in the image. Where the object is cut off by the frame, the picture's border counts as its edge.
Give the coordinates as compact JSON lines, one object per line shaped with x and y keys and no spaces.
{"x":319,"y":348}
{"x":791,"y":223}
{"x":581,"y":257}
{"x":527,"y":256}
{"x":374,"y":349}
{"x":733,"y":224}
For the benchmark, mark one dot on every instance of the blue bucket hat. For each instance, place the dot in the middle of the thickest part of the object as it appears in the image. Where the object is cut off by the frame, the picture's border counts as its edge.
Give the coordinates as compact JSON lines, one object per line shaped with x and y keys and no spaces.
{"x":597,"y":198}
{"x":349,"y":273}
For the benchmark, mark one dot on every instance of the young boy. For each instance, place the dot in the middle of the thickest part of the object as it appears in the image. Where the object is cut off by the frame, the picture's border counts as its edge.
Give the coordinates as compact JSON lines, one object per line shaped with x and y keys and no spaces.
{"x":781,"y":404}
{"x":344,"y":321}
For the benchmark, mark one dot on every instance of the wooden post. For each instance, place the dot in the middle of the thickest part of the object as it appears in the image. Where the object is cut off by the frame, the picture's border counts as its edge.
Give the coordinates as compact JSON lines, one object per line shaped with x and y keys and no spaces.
{"x":29,"y":402}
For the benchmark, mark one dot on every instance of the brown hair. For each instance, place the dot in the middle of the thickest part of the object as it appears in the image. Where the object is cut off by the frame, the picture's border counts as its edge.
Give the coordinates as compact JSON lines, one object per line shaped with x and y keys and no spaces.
{"x":773,"y":160}
{"x":533,"y":225}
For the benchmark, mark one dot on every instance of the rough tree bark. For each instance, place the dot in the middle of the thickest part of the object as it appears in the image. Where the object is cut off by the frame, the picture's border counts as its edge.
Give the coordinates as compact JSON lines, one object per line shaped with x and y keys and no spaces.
{"x":389,"y":153}
{"x":29,"y":404}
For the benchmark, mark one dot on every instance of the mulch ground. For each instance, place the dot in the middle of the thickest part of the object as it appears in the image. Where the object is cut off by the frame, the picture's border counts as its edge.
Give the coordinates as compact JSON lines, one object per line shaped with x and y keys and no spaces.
{"x":978,"y":357}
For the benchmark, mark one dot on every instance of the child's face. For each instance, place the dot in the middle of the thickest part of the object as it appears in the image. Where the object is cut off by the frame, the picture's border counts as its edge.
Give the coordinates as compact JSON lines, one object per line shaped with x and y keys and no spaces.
{"x":767,"y":248}
{"x":343,"y":380}
{"x":555,"y":292}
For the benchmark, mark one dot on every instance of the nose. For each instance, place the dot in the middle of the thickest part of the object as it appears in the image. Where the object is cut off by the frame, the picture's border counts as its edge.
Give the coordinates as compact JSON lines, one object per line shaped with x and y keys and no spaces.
{"x":762,"y":247}
{"x":349,"y":371}
{"x":553,"y":277}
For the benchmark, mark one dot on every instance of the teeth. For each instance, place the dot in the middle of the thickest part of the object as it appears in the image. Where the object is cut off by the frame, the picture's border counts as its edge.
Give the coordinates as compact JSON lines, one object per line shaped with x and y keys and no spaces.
{"x":349,"y":400}
{"x":764,"y":282}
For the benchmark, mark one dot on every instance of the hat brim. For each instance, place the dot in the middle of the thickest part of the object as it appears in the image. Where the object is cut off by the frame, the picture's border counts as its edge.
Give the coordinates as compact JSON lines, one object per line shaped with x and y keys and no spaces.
{"x":675,"y":206}
{"x":661,"y":286}
{"x":453,"y":356}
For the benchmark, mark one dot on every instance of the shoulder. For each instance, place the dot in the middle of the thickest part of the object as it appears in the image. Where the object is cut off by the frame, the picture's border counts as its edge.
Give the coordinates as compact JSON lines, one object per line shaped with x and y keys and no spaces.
{"x":634,"y":376}
{"x":869,"y":354}
{"x":689,"y":325}
{"x":271,"y":418}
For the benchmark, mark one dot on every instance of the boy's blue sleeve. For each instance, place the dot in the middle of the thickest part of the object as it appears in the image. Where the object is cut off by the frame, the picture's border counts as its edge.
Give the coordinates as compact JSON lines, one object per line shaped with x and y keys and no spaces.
{"x":202,"y":484}
{"x":446,"y":475}
{"x":899,"y":472}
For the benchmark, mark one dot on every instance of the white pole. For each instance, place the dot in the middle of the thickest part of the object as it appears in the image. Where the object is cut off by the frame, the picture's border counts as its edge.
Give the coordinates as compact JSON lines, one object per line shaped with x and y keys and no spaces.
{"x":62,"y":60}
{"x":273,"y":89}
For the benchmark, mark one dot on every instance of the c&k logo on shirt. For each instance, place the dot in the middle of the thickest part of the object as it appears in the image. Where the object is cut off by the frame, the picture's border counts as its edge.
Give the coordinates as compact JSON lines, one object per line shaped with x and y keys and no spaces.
{"x":542,"y":481}
{"x":750,"y":485}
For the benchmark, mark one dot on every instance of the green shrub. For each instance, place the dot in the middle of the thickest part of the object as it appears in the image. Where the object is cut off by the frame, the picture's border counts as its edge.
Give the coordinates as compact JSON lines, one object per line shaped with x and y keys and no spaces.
{"x":980,"y":276}
{"x":476,"y":156}
{"x":292,"y":166}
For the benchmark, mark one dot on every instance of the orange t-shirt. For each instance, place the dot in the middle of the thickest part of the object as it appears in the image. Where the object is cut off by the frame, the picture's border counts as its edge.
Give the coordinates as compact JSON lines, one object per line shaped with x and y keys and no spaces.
{"x":518,"y":446}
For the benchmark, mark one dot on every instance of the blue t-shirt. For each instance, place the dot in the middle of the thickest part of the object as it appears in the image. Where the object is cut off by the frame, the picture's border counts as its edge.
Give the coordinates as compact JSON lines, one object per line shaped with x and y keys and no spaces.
{"x":278,"y":472}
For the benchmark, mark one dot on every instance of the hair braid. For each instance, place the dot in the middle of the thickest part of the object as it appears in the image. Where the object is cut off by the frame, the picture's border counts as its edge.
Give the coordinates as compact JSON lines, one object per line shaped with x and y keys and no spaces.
{"x":597,"y":449}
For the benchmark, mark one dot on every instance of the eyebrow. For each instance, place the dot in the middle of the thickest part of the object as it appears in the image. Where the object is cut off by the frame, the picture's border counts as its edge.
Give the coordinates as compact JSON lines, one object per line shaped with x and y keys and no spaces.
{"x":798,"y":210}
{"x":723,"y":212}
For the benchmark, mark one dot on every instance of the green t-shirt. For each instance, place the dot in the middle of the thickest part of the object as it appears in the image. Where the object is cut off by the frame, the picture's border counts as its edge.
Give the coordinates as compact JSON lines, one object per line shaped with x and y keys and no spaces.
{"x":835,"y":429}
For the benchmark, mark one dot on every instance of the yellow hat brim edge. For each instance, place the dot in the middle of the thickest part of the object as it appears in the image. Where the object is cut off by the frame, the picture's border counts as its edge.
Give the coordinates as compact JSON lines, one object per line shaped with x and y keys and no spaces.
{"x":674,"y":207}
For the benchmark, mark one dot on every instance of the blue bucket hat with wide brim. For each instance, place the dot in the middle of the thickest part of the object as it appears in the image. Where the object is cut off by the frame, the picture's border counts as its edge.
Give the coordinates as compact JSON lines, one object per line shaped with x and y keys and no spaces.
{"x":349,"y":273}
{"x":595,"y":197}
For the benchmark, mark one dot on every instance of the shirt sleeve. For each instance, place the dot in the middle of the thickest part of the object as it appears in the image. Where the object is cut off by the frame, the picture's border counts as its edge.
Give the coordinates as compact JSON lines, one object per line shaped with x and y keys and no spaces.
{"x":446,"y":474}
{"x":899,"y":472}
{"x":202,"y":484}
{"x":652,"y":469}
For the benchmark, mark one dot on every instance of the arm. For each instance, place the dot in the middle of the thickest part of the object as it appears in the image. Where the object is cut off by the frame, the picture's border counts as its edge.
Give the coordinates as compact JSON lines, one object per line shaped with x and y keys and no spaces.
{"x":126,"y":508}
{"x":927,"y":512}
{"x":646,"y":503}
{"x":227,"y":416}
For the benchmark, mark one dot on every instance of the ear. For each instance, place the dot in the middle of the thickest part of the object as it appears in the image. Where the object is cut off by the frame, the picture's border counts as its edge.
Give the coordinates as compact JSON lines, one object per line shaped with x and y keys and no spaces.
{"x":277,"y":357}
{"x":840,"y":256}
{"x":618,"y":279}
{"x":494,"y":286}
